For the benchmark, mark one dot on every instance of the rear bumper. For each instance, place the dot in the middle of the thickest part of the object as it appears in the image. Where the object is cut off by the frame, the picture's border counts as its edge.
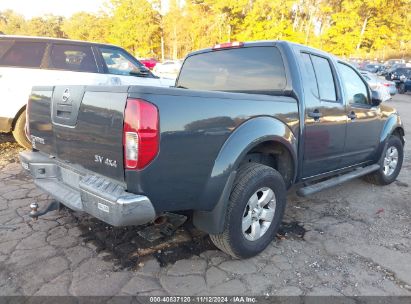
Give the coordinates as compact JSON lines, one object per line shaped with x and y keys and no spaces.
{"x":95,"y":195}
{"x":5,"y":124}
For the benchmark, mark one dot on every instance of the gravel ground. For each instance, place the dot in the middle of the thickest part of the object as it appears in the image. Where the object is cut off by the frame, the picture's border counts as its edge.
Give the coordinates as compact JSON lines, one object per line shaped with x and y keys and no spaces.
{"x":351,"y":240}
{"x":8,"y":150}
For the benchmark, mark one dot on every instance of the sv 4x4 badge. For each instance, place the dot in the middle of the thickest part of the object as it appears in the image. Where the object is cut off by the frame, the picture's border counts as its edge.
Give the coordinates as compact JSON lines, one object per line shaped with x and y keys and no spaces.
{"x":105,"y":161}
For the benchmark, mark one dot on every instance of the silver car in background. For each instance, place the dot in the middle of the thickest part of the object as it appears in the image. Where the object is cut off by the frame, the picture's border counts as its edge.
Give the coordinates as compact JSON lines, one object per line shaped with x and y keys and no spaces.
{"x":385,"y":87}
{"x":168,"y":68}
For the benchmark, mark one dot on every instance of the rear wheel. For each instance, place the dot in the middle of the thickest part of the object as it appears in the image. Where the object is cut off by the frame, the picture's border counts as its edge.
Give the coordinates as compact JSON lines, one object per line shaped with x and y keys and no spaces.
{"x":19,"y":133}
{"x":254,"y":213}
{"x":390,"y":163}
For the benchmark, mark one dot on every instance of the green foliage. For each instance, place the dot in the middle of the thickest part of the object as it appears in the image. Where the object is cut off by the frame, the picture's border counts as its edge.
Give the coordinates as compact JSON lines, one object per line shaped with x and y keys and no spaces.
{"x":12,"y":23}
{"x":85,"y":26}
{"x":48,"y":25}
{"x":368,"y":28}
{"x":135,"y":25}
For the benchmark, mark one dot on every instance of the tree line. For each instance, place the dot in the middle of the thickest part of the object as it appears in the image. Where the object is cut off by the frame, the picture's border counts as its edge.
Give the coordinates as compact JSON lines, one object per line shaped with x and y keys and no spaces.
{"x":349,"y":28}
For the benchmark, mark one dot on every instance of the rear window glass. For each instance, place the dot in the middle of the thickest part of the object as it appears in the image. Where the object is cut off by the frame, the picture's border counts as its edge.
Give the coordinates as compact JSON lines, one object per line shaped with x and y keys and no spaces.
{"x":248,"y":70}
{"x":21,"y":53}
{"x":73,"y":58}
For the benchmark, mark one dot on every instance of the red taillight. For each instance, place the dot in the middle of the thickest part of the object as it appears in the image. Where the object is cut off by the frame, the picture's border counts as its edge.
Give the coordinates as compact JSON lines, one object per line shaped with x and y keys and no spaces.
{"x":140,"y":133}
{"x":386,"y":84}
{"x":228,"y":45}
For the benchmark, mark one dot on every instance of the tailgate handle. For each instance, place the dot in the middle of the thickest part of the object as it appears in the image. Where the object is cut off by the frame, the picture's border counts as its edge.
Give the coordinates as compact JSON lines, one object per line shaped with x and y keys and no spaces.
{"x":66,"y":103}
{"x":63,"y":110}
{"x":63,"y":114}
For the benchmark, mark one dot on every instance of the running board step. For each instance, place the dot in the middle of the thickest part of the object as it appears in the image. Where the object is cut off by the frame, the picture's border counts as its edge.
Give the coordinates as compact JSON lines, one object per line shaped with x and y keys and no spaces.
{"x":335,"y":181}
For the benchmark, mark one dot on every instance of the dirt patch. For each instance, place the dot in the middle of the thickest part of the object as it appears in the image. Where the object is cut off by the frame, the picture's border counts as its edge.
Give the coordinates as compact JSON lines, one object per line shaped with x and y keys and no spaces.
{"x":292,"y":230}
{"x":9,"y":150}
{"x":127,"y":249}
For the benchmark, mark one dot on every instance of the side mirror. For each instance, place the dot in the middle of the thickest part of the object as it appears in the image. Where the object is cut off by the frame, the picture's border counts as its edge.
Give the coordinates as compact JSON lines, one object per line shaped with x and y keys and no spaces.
{"x":360,"y":98}
{"x":140,"y":71}
{"x":376,"y":98}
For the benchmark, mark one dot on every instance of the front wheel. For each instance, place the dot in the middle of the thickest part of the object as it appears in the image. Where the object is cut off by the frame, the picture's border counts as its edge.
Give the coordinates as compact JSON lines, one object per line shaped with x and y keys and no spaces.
{"x":255,"y":210}
{"x":19,"y":132}
{"x":390,"y":163}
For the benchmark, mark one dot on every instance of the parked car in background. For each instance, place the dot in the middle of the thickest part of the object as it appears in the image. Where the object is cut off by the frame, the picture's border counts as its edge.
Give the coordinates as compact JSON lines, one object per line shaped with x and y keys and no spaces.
{"x":391,"y":62}
{"x":149,"y":63}
{"x":404,"y":85}
{"x":389,"y":71}
{"x":168,"y":68}
{"x":362,"y":64}
{"x":396,"y":74}
{"x":29,"y":61}
{"x":373,"y":67}
{"x":382,"y":71}
{"x":384,"y":87}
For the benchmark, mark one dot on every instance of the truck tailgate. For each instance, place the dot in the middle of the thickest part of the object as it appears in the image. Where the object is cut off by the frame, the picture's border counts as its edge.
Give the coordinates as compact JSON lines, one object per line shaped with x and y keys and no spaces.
{"x":81,"y":126}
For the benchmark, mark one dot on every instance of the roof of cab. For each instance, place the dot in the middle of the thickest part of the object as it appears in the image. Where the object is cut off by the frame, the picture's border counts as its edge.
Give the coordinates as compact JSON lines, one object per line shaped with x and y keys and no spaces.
{"x":267,"y":43}
{"x":48,"y":39}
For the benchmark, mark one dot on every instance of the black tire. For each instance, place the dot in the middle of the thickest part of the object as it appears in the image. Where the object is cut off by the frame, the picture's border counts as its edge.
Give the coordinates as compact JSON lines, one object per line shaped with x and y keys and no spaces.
{"x":250,"y":178}
{"x":401,"y":88}
{"x":19,"y":132}
{"x":379,"y":177}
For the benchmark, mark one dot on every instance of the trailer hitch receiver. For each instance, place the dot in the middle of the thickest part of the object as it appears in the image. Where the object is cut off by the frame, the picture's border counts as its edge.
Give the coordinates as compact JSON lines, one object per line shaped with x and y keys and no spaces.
{"x":35,"y":213}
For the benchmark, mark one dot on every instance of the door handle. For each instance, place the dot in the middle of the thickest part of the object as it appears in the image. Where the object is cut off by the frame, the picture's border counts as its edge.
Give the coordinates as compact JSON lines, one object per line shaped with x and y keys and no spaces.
{"x":315,"y":114}
{"x":352,"y":115}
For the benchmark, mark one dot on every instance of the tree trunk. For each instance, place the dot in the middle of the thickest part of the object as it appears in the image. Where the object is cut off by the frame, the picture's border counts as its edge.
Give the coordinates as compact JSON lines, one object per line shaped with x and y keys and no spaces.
{"x":175,"y":44}
{"x":162,"y":47}
{"x":364,"y":26}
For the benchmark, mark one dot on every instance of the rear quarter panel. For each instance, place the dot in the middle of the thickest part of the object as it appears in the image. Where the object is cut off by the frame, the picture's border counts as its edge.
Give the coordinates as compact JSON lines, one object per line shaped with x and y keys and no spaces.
{"x":194,"y":127}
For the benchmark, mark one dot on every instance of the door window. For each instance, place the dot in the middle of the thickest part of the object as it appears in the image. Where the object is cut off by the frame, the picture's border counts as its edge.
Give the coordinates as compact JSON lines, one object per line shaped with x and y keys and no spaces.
{"x":325,"y":79}
{"x":356,"y":92}
{"x":76,"y":58}
{"x":117,"y":62}
{"x":21,"y":53}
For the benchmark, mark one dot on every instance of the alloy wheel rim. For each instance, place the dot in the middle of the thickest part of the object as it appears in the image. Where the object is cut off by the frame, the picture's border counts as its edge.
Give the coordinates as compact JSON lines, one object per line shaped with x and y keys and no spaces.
{"x":258,"y":214}
{"x":390,"y":161}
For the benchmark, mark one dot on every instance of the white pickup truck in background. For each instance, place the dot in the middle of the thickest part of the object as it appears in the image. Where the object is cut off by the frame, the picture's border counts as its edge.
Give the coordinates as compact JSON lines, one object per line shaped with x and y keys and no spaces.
{"x":32,"y":61}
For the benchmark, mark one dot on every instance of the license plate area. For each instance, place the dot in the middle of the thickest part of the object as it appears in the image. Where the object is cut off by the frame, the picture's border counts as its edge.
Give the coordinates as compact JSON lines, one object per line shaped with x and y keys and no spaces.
{"x":103,"y":207}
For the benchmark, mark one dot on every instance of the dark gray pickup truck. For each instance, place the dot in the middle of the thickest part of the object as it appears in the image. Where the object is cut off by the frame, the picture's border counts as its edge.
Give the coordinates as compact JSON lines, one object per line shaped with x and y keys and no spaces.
{"x":245,"y":122}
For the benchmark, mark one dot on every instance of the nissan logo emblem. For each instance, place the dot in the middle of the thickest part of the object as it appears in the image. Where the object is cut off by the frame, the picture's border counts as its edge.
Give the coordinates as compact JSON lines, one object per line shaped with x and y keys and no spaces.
{"x":66,"y":95}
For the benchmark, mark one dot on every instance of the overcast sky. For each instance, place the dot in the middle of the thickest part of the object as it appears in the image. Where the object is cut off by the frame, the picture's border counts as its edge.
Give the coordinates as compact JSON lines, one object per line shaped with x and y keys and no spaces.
{"x":30,"y":8}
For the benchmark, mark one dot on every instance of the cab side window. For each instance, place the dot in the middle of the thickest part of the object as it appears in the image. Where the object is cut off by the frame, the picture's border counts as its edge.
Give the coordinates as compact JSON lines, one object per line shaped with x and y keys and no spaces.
{"x":76,"y":58}
{"x":117,"y":62}
{"x":325,"y":79}
{"x":23,"y":54}
{"x":309,"y":74}
{"x":356,"y":92}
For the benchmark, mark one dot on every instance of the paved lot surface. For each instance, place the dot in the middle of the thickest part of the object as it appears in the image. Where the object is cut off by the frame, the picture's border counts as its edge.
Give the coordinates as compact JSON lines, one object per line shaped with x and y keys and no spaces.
{"x":357,"y":241}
